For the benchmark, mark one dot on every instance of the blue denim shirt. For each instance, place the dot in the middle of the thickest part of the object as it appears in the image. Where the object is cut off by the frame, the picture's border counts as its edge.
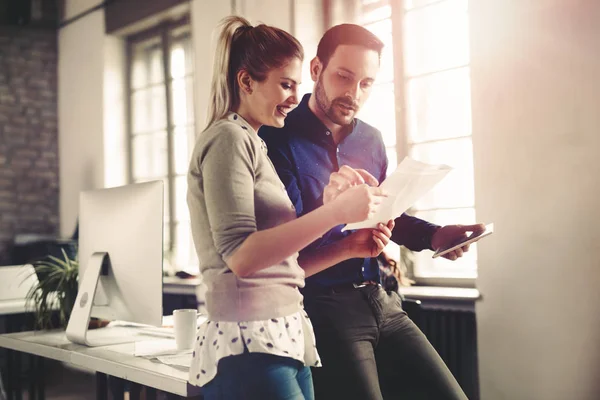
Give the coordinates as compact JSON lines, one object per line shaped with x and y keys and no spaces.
{"x":305,"y":154}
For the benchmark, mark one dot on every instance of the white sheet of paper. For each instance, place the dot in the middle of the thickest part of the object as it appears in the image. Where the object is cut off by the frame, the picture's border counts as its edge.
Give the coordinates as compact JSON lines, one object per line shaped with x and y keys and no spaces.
{"x":155,"y":348}
{"x":177,"y":360}
{"x":408,"y":183}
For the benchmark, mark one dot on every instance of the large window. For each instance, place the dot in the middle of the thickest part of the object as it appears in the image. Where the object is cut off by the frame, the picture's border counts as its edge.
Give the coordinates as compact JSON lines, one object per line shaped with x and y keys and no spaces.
{"x":380,"y":109}
{"x":429,"y":118}
{"x":161,"y":125}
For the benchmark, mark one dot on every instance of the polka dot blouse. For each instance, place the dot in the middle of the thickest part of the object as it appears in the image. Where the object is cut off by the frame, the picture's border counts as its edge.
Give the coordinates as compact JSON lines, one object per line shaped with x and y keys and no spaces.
{"x":290,"y":336}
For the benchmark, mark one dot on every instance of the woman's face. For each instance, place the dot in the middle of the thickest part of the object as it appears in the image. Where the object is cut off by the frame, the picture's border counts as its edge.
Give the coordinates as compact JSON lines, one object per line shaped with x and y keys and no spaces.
{"x":272,"y":99}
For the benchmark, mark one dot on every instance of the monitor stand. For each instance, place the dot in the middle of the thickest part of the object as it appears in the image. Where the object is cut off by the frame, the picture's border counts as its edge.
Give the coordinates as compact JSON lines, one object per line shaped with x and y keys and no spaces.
{"x":77,"y":328}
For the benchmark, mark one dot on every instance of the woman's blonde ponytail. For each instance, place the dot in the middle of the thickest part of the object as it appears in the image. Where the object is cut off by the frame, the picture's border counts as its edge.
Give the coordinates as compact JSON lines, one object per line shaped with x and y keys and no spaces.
{"x":221,"y":100}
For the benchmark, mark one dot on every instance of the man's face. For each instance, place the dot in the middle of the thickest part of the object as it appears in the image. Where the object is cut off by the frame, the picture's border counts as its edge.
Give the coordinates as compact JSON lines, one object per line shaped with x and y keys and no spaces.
{"x":345,"y":83}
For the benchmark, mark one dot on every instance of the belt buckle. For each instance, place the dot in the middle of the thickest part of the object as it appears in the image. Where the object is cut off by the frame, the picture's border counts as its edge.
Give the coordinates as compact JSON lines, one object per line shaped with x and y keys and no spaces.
{"x":356,"y":286}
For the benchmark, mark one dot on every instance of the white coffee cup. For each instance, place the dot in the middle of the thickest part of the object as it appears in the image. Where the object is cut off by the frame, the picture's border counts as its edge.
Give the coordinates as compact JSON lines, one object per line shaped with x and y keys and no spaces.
{"x":184,"y":323}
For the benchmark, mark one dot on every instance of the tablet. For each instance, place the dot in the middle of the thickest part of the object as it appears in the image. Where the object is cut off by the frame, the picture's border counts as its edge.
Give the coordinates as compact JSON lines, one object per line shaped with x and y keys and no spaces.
{"x":472,"y":238}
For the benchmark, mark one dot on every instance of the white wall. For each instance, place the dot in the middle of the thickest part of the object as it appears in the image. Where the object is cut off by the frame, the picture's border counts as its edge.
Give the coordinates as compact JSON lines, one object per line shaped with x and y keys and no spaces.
{"x":536,"y":134}
{"x":270,"y":12}
{"x":308,"y":29}
{"x":204,"y":18}
{"x":115,"y":112}
{"x":80,"y":105}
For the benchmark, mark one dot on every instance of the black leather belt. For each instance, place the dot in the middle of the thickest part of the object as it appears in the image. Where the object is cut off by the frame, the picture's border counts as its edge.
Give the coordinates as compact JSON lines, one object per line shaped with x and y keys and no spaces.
{"x":341,"y":288}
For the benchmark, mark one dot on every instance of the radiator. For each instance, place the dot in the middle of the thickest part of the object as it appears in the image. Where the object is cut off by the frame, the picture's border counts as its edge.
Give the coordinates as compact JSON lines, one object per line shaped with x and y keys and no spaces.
{"x":452,"y":330}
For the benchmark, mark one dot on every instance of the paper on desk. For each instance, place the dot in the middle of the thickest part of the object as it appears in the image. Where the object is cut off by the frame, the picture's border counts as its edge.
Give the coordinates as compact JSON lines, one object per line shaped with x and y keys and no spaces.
{"x":408,"y":183}
{"x":156,"y":348}
{"x":178,"y":360}
{"x":165,"y":351}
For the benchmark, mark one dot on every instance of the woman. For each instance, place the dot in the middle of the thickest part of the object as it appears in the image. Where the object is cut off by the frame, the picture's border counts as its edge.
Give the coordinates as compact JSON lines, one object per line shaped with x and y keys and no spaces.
{"x":258,"y":342}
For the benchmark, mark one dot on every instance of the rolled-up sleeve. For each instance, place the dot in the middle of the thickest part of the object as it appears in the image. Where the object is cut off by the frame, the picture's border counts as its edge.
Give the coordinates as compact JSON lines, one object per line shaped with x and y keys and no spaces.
{"x":228,"y":171}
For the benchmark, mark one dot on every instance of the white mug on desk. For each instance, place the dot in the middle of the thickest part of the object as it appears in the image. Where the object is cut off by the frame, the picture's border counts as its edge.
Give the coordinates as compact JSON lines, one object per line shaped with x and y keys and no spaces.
{"x":184,"y":324}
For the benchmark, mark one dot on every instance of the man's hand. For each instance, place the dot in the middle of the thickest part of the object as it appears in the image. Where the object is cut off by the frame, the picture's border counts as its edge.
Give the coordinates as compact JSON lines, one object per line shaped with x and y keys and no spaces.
{"x":366,"y":243}
{"x":345,"y":178}
{"x":449,"y":234}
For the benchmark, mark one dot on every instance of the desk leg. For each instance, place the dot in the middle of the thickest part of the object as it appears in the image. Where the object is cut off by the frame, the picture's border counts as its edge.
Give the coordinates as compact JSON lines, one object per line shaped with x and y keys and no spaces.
{"x":2,"y":392}
{"x":33,"y":377}
{"x":101,"y":386}
{"x":41,"y":382}
{"x":17,"y":376}
{"x":10,"y":373}
{"x":150,"y":393}
{"x":134,"y":391}
{"x":116,"y":387}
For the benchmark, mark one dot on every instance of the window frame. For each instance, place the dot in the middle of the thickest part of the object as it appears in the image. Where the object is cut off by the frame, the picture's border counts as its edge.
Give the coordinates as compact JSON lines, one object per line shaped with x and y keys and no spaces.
{"x":403,"y":144}
{"x":162,"y":31}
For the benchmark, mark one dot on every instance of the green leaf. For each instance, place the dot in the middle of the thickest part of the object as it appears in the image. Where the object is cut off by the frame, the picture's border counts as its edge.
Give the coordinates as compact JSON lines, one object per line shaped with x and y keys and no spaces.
{"x":56,"y":290}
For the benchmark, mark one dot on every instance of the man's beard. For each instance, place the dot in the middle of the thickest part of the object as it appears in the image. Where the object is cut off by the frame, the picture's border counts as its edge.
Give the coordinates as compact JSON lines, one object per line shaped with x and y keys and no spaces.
{"x":327,"y":106}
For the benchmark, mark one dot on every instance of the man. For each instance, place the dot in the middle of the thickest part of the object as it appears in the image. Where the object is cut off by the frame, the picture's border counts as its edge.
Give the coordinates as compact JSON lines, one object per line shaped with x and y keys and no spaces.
{"x":370,"y":349}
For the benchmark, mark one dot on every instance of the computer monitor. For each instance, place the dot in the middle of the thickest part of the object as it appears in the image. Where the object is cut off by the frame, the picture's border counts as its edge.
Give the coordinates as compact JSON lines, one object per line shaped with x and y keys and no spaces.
{"x":120,"y":259}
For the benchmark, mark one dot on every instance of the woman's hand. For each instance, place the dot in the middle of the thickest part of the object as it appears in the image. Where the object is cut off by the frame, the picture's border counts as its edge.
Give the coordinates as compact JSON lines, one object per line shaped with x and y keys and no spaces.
{"x":356,"y":204}
{"x":366,"y":243}
{"x":345,"y":178}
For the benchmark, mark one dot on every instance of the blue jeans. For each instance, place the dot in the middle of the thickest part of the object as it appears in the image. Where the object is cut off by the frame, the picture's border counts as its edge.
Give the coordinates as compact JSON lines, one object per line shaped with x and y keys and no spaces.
{"x":252,"y":376}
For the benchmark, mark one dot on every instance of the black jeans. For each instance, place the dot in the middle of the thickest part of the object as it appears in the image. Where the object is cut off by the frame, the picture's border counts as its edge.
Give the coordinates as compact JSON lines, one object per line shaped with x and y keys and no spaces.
{"x":371,"y":350}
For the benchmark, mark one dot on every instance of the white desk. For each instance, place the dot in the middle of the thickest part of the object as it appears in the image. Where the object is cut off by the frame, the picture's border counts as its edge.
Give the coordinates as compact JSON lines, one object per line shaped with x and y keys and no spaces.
{"x":109,"y":360}
{"x":8,"y":307}
{"x":15,"y":313}
{"x":175,"y":285}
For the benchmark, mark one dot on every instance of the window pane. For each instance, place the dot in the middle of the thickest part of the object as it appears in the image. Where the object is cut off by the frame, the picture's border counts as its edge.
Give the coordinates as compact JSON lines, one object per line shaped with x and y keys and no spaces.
{"x":149,"y":130}
{"x":150,"y":155}
{"x":379,"y":111}
{"x":139,"y":73}
{"x":149,"y":109}
{"x":184,"y":255}
{"x":183,"y":143}
{"x":182,"y":95}
{"x":410,"y":4}
{"x":147,"y":65}
{"x":165,"y":199}
{"x":369,"y":2}
{"x":392,"y":156}
{"x":181,"y":208}
{"x":167,"y":203}
{"x":166,"y":238}
{"x":439,"y":106}
{"x":464,"y":267}
{"x":436,"y":37}
{"x":181,"y":57}
{"x":456,"y":189}
{"x":376,"y":14}
{"x":383,"y":30}
{"x":157,"y":74}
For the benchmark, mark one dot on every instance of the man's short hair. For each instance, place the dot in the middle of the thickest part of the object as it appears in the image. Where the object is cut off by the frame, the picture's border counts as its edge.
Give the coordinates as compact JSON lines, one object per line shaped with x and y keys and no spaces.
{"x":346,"y":34}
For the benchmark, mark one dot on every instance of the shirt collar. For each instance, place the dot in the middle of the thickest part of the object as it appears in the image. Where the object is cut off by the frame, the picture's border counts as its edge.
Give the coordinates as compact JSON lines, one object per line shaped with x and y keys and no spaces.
{"x":313,"y":125}
{"x":239,"y":120}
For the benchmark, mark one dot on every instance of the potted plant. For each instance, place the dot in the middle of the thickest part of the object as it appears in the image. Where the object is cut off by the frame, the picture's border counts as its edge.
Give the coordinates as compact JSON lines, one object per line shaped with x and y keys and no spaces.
{"x":55,"y":291}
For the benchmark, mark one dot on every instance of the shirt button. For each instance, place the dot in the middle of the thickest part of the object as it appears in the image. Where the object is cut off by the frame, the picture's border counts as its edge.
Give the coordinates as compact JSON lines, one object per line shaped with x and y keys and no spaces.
{"x":328,"y":133}
{"x":337,"y":150}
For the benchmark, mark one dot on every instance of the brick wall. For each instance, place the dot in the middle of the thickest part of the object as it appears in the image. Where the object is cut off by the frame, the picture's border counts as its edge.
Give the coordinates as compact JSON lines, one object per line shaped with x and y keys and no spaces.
{"x":28,"y":134}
